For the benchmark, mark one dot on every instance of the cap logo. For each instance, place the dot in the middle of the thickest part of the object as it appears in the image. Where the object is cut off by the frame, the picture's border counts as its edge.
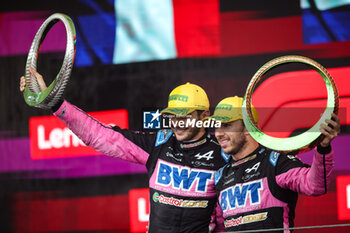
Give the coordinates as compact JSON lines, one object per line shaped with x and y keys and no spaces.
{"x":180,"y":111}
{"x":223,"y":119}
{"x":224,"y":106}
{"x":182,"y":98}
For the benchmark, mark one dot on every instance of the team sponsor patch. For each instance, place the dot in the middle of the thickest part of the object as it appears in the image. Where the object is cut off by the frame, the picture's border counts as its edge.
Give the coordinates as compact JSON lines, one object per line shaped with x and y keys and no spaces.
{"x":245,"y":219}
{"x":225,"y":156}
{"x":218,"y":175}
{"x":251,"y":172}
{"x":293,"y":157}
{"x":274,"y":157}
{"x":254,"y":168}
{"x":179,"y":202}
{"x":163,"y":136}
{"x":237,"y":196}
{"x":200,"y":164}
{"x":177,"y":156}
{"x":207,"y":156}
{"x":182,"y":178}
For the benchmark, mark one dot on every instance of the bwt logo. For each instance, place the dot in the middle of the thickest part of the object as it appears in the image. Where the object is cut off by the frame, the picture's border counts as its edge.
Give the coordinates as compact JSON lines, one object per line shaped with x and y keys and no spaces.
{"x":182,"y":178}
{"x":151,"y":119}
{"x":237,"y":196}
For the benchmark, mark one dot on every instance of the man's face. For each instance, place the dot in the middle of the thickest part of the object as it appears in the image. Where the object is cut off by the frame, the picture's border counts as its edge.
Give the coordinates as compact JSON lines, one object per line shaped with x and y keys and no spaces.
{"x":231,"y":136}
{"x":182,"y":131}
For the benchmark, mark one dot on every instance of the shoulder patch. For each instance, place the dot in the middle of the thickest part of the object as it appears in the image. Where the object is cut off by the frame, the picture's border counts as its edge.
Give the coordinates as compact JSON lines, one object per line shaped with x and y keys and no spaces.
{"x":163,"y":136}
{"x":262,"y":150}
{"x":274,"y":157}
{"x":293,"y":157}
{"x":218,"y":174}
{"x":225,"y":156}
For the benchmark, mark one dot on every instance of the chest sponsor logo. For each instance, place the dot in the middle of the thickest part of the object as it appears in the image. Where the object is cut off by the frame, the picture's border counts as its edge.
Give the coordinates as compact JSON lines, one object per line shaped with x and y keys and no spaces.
{"x":200,"y":164}
{"x":254,"y":168}
{"x":274,"y":157}
{"x":245,"y":219}
{"x":207,"y":156}
{"x":237,"y":196}
{"x":179,"y":202}
{"x":176,"y":156}
{"x":182,"y":178}
{"x":251,"y":172}
{"x":229,"y":181}
{"x":293,"y":158}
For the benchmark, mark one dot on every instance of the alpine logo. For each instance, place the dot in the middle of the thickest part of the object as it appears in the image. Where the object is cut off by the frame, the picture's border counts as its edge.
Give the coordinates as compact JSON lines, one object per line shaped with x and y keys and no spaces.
{"x":254,"y":168}
{"x":206,"y":156}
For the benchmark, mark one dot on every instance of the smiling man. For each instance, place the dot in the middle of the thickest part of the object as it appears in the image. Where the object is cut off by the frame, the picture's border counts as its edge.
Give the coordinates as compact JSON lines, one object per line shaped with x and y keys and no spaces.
{"x":181,"y":162}
{"x":258,"y":188}
{"x":187,"y":104}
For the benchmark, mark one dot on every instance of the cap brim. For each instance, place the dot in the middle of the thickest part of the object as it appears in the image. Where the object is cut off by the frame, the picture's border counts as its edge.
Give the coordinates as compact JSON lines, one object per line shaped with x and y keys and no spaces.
{"x":223,"y":119}
{"x":178,"y":111}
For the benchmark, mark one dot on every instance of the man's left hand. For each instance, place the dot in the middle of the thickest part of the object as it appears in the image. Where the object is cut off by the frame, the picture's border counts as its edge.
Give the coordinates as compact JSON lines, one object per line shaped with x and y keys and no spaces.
{"x":330,"y":131}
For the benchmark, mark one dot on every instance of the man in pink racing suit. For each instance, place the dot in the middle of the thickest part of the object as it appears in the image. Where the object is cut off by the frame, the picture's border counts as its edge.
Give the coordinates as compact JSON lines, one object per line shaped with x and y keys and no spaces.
{"x":258,"y":188}
{"x":181,"y":162}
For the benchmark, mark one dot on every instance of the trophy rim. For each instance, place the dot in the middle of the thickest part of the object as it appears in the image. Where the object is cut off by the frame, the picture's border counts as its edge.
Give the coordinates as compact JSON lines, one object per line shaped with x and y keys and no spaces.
{"x":47,"y":98}
{"x":308,"y":139}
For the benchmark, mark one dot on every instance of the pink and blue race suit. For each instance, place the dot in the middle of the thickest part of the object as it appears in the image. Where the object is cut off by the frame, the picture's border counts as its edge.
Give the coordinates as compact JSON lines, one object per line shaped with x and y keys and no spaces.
{"x":261,"y":190}
{"x":181,"y":175}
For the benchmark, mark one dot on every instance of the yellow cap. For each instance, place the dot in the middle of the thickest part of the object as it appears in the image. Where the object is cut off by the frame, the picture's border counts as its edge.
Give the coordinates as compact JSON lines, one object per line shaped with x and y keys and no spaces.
{"x":185,"y":99}
{"x":230,"y":109}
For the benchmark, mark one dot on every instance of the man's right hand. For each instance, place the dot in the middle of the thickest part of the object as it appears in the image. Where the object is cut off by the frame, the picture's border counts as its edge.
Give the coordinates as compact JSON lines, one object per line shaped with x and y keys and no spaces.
{"x":38,"y":77}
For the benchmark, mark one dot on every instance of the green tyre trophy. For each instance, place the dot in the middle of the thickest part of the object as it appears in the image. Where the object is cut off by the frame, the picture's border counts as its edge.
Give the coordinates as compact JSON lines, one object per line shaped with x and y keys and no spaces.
{"x":302,"y":142}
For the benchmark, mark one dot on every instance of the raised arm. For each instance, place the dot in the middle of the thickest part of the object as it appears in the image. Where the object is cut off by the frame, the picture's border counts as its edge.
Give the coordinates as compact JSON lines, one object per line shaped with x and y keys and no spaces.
{"x":110,"y":141}
{"x":312,"y":180}
{"x":103,"y":137}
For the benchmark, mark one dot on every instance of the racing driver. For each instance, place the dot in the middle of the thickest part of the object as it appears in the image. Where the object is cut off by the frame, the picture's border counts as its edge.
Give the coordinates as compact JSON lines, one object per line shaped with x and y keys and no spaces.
{"x":181,"y":161}
{"x":258,"y":188}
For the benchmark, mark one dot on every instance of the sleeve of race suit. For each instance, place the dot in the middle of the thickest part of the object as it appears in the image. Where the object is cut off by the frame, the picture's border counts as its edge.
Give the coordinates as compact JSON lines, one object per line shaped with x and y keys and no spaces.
{"x":310,"y":181}
{"x":123,"y":144}
{"x":217,"y":220}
